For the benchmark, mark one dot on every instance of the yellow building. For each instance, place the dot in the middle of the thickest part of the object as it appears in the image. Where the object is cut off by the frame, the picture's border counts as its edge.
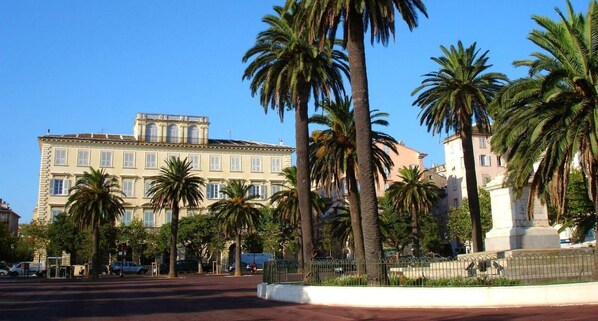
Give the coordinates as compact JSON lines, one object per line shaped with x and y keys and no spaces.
{"x":135,"y":159}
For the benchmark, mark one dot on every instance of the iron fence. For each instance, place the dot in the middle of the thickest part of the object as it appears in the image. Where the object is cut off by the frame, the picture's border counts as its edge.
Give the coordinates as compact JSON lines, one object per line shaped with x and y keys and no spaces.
{"x":516,"y":268}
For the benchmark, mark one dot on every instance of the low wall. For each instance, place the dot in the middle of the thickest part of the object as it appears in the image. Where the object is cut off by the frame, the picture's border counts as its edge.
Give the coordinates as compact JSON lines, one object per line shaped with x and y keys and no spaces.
{"x":403,"y":297}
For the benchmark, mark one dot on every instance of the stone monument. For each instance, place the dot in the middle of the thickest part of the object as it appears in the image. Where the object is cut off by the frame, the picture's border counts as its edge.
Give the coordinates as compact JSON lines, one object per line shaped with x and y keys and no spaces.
{"x":511,"y":228}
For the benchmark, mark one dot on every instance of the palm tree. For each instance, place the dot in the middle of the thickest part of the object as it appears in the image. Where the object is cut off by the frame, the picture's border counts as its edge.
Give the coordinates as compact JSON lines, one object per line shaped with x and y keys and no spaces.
{"x":449,"y":98}
{"x":285,"y":69}
{"x":321,"y":18}
{"x":286,"y":201}
{"x":414,"y":195}
{"x":173,"y":187}
{"x":236,"y":212}
{"x":546,"y":120}
{"x":333,"y":156}
{"x":95,"y":200}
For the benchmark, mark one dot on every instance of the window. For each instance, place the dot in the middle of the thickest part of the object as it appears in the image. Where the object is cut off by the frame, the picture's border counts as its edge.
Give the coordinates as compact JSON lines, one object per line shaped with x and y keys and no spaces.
{"x":55,"y":213}
{"x":148,"y":218}
{"x":193,"y":135}
{"x":172,"y":134}
{"x":386,"y":150}
{"x":215,"y":162}
{"x":259,"y":191}
{"x":482,"y":142}
{"x":276,"y":165}
{"x":82,"y":158}
{"x":485,"y":160}
{"x":499,"y":161}
{"x":127,"y":217}
{"x":59,"y":186}
{"x":256,"y":164}
{"x":147,"y":184}
{"x":235,"y":163}
{"x":151,"y":160}
{"x":60,"y":157}
{"x":105,"y":158}
{"x":168,"y":217}
{"x":127,"y":187}
{"x":191,"y":213}
{"x":194,"y":159}
{"x":151,"y":133}
{"x":213,"y":191}
{"x":129,"y":159}
{"x":276,"y":188}
{"x":456,"y":202}
{"x":172,"y":156}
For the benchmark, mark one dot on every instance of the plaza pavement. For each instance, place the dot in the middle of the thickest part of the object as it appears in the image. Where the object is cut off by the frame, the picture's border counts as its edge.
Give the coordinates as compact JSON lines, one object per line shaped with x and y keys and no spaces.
{"x":192,"y":297}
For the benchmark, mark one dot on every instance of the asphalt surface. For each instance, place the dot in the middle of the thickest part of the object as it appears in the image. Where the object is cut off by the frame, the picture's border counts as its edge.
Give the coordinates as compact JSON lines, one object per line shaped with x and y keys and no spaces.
{"x":212,"y":298}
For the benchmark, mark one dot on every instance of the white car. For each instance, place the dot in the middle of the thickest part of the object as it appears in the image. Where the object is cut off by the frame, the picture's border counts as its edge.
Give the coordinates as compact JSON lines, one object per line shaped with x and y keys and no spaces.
{"x":3,"y":272}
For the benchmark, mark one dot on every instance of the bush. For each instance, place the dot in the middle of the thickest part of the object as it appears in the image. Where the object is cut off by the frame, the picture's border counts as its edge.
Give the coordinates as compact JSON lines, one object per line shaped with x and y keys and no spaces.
{"x":401,"y":280}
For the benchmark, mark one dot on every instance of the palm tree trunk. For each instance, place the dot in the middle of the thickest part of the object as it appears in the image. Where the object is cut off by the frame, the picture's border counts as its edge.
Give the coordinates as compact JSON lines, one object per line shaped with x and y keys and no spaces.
{"x":472,"y":187}
{"x":368,"y":200}
{"x":238,"y":253}
{"x":356,"y":220}
{"x":95,"y":253}
{"x":174,"y":227}
{"x":303,"y":180}
{"x":415,"y":233}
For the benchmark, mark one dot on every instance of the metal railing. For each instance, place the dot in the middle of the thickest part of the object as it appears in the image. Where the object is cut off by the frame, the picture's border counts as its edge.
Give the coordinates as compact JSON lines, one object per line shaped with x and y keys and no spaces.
{"x":470,"y":270}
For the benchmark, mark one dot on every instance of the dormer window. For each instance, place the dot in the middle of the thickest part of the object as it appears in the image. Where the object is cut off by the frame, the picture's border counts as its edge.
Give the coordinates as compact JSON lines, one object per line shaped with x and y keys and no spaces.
{"x":151,"y":133}
{"x":172,"y":134}
{"x":193,"y":135}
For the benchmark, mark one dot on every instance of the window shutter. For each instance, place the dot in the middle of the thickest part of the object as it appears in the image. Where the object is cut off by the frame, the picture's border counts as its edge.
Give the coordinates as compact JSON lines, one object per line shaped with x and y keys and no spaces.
{"x":65,"y":186}
{"x":51,"y":187}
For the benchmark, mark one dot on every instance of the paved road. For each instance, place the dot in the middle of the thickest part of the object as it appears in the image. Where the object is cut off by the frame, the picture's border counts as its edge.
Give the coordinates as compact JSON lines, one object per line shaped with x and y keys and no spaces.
{"x":213,"y":298}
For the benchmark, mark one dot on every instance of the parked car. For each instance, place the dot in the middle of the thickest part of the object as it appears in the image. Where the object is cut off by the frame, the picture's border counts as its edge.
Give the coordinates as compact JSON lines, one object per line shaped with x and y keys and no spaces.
{"x":186,"y":266}
{"x":244,"y":265}
{"x":3,"y":272}
{"x":127,"y":267}
{"x":28,"y":268}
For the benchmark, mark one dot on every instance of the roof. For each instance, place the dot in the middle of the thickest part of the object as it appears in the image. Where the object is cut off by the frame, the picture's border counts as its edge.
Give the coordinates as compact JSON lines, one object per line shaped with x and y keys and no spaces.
{"x":130,"y":139}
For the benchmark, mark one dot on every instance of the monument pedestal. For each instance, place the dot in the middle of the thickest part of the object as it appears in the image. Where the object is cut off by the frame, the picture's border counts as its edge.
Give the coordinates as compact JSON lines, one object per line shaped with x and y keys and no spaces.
{"x":511,"y":228}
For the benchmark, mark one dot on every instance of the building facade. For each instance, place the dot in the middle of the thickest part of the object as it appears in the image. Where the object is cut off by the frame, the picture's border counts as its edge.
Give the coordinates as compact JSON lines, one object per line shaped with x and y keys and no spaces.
{"x":8,"y":217}
{"x":404,"y":157}
{"x":487,"y":165}
{"x":135,"y":159}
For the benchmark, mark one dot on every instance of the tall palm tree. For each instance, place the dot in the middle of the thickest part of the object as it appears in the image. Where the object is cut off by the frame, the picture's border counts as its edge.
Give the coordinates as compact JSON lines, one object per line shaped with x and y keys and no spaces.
{"x":414,"y":195}
{"x":449,"y":98}
{"x":321,"y":18}
{"x":236,"y":212}
{"x":333,"y":155}
{"x":93,"y":201}
{"x":175,"y":186}
{"x":286,"y":69}
{"x":286,"y":201}
{"x":544,"y":121}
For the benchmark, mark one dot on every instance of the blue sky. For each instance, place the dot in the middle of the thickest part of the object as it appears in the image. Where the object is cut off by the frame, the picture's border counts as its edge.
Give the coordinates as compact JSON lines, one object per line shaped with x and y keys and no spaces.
{"x":85,"y":66}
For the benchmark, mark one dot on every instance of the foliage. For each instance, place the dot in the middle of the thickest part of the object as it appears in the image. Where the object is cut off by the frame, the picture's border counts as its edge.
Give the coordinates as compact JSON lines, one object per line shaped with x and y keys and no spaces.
{"x":413,"y":195}
{"x":579,"y":209}
{"x":174,"y":187}
{"x":135,"y":236}
{"x":201,"y":236}
{"x":361,"y":280}
{"x":8,"y":242}
{"x":95,"y":200}
{"x":237,"y":212}
{"x":286,"y":70}
{"x":65,"y":236}
{"x":253,"y":243}
{"x":460,"y":222}
{"x":333,"y":157}
{"x":323,"y":18}
{"x":546,"y":122}
{"x":454,"y":98}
